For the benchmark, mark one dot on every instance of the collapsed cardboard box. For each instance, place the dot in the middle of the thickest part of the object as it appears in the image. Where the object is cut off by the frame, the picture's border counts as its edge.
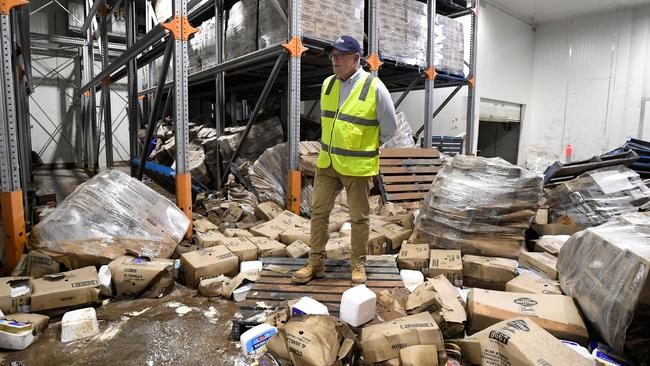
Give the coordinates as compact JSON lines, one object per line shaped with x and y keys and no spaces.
{"x":36,"y":264}
{"x":481,"y":206}
{"x":413,"y":256}
{"x":543,"y":263}
{"x":530,"y":282}
{"x":488,"y":272}
{"x":605,"y":269}
{"x":65,"y":289}
{"x":376,"y":244}
{"x":381,"y":342}
{"x":450,"y":315}
{"x":447,"y":263}
{"x":142,"y":277}
{"x":107,"y":217}
{"x":557,"y":314}
{"x":519,"y":341}
{"x":15,"y":293}
{"x":208,"y":262}
{"x":269,"y":247}
{"x":242,"y":247}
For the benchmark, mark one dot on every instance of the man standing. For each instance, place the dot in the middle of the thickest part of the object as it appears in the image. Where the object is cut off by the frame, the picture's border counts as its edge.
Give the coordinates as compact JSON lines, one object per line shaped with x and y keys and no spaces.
{"x":356,"y":112}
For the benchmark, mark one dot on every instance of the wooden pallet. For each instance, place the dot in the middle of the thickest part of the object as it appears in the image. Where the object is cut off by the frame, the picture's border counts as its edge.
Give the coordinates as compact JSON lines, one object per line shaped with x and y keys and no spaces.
{"x":273,"y":289}
{"x":405,"y":175}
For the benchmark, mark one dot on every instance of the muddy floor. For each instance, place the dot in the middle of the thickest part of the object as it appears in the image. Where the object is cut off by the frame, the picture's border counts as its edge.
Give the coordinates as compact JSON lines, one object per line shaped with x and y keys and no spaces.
{"x":178,"y":329}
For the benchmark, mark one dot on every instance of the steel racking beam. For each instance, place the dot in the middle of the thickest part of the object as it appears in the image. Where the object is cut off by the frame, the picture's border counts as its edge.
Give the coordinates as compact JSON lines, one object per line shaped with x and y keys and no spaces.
{"x":471,"y":89}
{"x":429,"y":85}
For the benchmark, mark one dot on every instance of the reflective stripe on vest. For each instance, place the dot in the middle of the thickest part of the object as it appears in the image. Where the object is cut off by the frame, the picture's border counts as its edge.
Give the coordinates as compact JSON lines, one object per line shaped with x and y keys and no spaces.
{"x":351,"y":119}
{"x":344,"y":152}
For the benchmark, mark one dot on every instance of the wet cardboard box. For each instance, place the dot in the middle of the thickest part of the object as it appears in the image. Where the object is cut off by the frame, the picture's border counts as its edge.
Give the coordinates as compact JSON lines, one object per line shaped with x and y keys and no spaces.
{"x":382,"y":342}
{"x":243,"y":248}
{"x":532,"y":283}
{"x":557,"y":314}
{"x":15,"y":293}
{"x":543,"y":263}
{"x":36,"y":264}
{"x":414,"y":256}
{"x":488,"y":272}
{"x":65,"y":289}
{"x":212,"y":261}
{"x":447,"y":263}
{"x":140,"y":276}
{"x":269,"y":247}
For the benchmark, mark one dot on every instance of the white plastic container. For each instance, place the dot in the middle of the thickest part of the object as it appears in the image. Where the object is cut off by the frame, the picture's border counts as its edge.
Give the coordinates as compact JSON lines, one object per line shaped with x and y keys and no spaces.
{"x":79,"y":324}
{"x":240,"y":293}
{"x":250,"y":266}
{"x":309,"y":306}
{"x":15,"y":335}
{"x":358,"y":305}
{"x":411,"y":278}
{"x":105,"y":279}
{"x":254,"y":340}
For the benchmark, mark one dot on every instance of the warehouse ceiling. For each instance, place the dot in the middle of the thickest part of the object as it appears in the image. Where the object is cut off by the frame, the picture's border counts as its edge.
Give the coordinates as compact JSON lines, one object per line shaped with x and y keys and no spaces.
{"x":536,"y":12}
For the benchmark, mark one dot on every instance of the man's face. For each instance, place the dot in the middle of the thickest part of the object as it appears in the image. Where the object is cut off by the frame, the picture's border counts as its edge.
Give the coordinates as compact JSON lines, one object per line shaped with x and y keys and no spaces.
{"x":344,"y":63}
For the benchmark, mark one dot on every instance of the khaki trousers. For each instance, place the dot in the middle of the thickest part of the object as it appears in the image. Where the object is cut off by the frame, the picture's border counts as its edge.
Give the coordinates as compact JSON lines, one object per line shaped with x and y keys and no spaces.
{"x":327,"y":186}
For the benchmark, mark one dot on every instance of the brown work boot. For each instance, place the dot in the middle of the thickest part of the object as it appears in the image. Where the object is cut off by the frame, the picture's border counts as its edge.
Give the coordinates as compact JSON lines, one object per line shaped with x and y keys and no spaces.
{"x":307,"y":273}
{"x":358,"y":274}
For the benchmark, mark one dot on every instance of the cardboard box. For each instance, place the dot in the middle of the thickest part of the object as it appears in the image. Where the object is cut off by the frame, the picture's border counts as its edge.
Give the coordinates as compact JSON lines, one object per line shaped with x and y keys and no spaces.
{"x":414,"y":256}
{"x":541,"y":218}
{"x":530,"y":282}
{"x":237,"y":233}
{"x":204,"y":225}
{"x":269,"y":247}
{"x":295,"y":233}
{"x":36,"y":264}
{"x":209,"y":238}
{"x":557,"y":314}
{"x":488,"y":272}
{"x":518,"y":341}
{"x":271,"y":229}
{"x":212,"y":261}
{"x":243,"y":248}
{"x":77,"y":287}
{"x":142,"y":277}
{"x":298,"y":249}
{"x":381,"y":342}
{"x":422,"y":355}
{"x":15,"y":293}
{"x":233,"y":213}
{"x":451,"y":315}
{"x":395,"y":234}
{"x":447,"y":263}
{"x":550,"y":244}
{"x":267,"y":211}
{"x":339,"y":248}
{"x":542,"y":263}
{"x":556,"y":229}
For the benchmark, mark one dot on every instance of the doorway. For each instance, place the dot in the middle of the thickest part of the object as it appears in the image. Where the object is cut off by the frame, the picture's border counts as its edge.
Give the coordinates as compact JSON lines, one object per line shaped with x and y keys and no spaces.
{"x":499,"y":130}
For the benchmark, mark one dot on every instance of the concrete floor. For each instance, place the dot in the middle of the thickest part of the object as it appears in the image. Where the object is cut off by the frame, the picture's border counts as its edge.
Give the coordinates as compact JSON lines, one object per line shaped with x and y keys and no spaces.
{"x":178,"y":329}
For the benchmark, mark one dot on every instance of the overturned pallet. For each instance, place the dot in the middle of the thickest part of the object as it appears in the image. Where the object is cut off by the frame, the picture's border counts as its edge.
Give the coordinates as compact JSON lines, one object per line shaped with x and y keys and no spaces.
{"x":405,"y":175}
{"x":273,"y":289}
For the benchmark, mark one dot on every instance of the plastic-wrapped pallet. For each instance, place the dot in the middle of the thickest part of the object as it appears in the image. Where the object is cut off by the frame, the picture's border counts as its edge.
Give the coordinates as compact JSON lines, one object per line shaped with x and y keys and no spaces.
{"x":107,"y":216}
{"x":262,"y":135}
{"x":321,"y":19}
{"x":403,"y":36}
{"x":403,"y":138}
{"x":598,"y":195}
{"x":241,"y":29}
{"x":605,"y":269}
{"x":481,"y":206}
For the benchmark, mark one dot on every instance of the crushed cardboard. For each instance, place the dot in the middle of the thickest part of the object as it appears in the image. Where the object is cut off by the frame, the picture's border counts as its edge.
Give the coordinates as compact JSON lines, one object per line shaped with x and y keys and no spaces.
{"x":132,"y":276}
{"x":530,"y":282}
{"x":208,"y":262}
{"x":488,"y":272}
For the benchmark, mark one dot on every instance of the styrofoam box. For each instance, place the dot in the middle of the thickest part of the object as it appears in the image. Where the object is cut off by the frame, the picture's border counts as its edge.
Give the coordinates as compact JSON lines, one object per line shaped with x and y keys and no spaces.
{"x":79,"y":324}
{"x":411,"y":278}
{"x":309,"y":306}
{"x":358,"y":305}
{"x":247,"y":266}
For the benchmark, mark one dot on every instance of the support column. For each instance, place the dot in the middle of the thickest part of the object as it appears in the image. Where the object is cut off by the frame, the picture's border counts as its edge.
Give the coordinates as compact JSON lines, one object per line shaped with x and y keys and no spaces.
{"x":106,"y":87}
{"x":91,"y":114}
{"x":373,"y":38}
{"x":295,"y":48}
{"x":220,"y":89}
{"x":132,"y":86}
{"x":180,"y":30}
{"x":471,"y":88}
{"x":11,"y":194}
{"x":430,"y":73}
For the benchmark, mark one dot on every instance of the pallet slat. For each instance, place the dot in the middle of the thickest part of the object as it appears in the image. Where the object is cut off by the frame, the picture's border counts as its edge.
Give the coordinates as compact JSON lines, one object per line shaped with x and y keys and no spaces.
{"x":407,"y":178}
{"x":407,"y":187}
{"x":409,"y":161}
{"x":409,"y":169}
{"x":405,"y":196}
{"x":409,"y":153}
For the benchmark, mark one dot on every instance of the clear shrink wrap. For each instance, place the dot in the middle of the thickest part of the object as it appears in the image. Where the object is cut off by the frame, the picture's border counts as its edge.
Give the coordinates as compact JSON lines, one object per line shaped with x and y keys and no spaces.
{"x":403,"y":138}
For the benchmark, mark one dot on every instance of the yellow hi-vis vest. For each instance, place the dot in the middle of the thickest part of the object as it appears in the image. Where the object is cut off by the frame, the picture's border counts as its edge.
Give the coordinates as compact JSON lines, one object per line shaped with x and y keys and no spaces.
{"x":350,"y":138}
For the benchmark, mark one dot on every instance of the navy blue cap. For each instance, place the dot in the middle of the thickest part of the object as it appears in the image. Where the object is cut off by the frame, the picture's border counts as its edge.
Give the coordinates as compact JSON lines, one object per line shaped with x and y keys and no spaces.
{"x":345,"y":44}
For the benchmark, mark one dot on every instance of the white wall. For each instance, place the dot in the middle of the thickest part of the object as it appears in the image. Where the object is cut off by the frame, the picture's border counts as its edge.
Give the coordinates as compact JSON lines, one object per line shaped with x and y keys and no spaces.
{"x":505,"y":67}
{"x":589,"y":78}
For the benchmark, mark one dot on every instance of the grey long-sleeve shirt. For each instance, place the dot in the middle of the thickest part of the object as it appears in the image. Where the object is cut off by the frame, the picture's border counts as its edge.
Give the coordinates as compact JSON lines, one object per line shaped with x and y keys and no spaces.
{"x":385,"y":109}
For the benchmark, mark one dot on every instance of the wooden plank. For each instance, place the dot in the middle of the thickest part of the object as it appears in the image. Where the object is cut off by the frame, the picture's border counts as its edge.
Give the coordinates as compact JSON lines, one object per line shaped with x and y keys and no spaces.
{"x":283,"y":296}
{"x":390,"y":263}
{"x":405,"y":196}
{"x":334,"y":275}
{"x":407,"y":153}
{"x":407,"y":187}
{"x":305,"y":288}
{"x":409,"y":169}
{"x":331,"y":282}
{"x":407,"y":178}
{"x":295,"y":267}
{"x":409,"y":161}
